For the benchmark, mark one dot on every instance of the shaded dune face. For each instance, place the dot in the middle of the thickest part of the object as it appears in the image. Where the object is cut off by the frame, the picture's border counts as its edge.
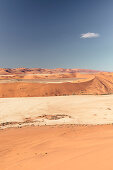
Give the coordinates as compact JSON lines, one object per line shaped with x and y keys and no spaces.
{"x":94,"y":84}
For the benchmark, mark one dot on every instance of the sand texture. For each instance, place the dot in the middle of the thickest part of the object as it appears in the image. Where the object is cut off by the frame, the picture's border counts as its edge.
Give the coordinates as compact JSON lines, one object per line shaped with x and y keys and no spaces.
{"x":57,"y":147}
{"x":76,"y":109}
{"x":65,"y":131}
{"x":71,"y":84}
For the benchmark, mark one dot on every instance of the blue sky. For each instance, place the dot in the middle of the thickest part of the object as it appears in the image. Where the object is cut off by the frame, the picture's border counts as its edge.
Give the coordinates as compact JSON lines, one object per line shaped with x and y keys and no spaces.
{"x":56,"y":33}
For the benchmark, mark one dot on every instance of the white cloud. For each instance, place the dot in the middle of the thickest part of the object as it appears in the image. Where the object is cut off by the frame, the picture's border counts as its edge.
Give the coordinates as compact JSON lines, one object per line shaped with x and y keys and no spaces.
{"x":89,"y":35}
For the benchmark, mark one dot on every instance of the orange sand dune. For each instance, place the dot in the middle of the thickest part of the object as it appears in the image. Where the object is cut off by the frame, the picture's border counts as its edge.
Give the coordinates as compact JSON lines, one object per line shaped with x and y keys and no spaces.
{"x":45,"y":76}
{"x":43,"y":71}
{"x":63,"y":147}
{"x":98,"y":84}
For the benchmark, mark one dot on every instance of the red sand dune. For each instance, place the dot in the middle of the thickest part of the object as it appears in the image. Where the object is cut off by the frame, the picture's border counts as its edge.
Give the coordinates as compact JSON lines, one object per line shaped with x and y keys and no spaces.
{"x":45,"y":76}
{"x":94,"y":83}
{"x":42,"y":71}
{"x":57,"y":148}
{"x":100,"y":84}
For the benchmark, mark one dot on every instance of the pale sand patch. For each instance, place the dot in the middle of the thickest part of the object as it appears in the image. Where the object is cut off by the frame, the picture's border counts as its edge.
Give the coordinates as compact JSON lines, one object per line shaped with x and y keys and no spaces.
{"x":80,"y":109}
{"x":60,"y":80}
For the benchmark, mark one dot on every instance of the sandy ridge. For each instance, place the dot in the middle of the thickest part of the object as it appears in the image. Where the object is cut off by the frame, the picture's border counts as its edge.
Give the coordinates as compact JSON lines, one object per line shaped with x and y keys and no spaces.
{"x":100,"y":84}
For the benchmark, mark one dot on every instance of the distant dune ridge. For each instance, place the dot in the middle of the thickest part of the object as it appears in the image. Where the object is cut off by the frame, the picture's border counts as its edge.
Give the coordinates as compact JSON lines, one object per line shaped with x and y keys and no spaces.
{"x":42,"y":70}
{"x":77,"y":81}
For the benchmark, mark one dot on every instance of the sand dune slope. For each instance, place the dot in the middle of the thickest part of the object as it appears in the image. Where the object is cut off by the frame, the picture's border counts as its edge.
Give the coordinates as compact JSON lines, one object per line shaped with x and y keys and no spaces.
{"x":57,"y":147}
{"x":99,"y":84}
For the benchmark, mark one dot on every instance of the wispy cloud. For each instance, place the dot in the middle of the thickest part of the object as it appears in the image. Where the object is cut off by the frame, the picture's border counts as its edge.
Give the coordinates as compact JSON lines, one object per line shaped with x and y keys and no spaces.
{"x":89,"y":35}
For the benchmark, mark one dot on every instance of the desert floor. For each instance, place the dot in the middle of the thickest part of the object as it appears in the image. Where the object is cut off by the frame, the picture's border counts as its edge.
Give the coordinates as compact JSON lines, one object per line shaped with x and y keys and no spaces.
{"x":63,"y":147}
{"x":68,"y":139}
{"x":61,"y":80}
{"x":76,"y":109}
